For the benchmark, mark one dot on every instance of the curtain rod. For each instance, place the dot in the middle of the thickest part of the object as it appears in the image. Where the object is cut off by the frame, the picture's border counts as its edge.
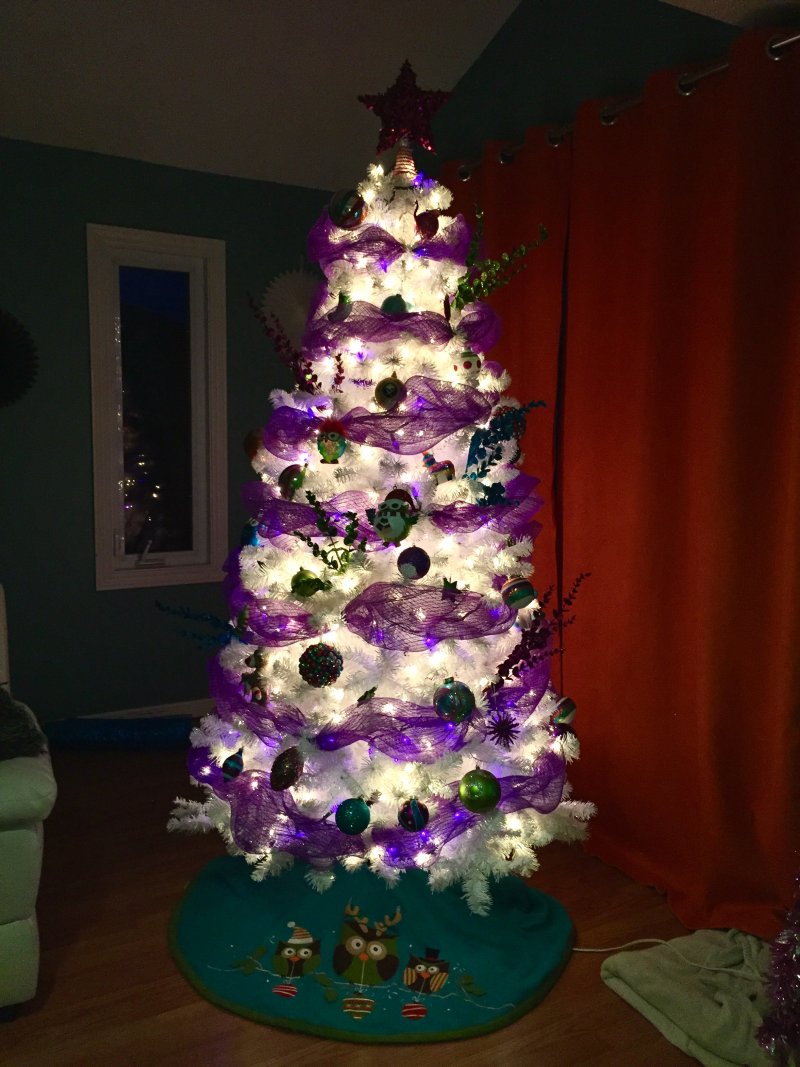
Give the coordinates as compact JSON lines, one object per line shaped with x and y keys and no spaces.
{"x":685,"y":85}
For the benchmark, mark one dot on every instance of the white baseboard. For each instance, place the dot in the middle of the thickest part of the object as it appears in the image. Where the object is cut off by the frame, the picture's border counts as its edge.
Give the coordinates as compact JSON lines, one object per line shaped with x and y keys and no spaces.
{"x":196,"y":708}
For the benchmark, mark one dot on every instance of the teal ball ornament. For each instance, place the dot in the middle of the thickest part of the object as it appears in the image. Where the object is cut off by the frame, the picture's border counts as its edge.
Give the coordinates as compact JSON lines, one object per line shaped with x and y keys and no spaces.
{"x":394,"y":305}
{"x":479,"y":791}
{"x":347,"y":209}
{"x":352,"y":816}
{"x":413,"y":816}
{"x":232,"y":767}
{"x":414,"y":563}
{"x":518,"y":593}
{"x":454,"y":701}
{"x":321,"y":665}
{"x":389,"y":392}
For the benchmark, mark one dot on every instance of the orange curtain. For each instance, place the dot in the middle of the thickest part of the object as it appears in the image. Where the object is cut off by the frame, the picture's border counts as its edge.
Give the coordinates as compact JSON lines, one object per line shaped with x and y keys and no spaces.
{"x":515,"y":199}
{"x":680,"y":431}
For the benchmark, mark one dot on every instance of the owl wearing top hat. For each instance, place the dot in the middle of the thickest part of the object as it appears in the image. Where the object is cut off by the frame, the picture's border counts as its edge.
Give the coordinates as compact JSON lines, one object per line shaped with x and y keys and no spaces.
{"x":426,"y":974}
{"x":297,"y":956}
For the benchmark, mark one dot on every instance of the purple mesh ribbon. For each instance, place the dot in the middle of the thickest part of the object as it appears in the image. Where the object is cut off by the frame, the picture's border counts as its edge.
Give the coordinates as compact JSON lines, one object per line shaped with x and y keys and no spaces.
{"x":329,"y":245}
{"x":373,"y":326}
{"x":522,"y":696}
{"x":262,"y":818}
{"x":388,"y":615}
{"x":288,"y":433}
{"x":541,"y":790}
{"x":412,"y":732}
{"x":272,"y":622}
{"x":511,"y":519}
{"x":480,"y":327}
{"x":434,"y":410}
{"x":270,"y":721}
{"x":277,"y":516}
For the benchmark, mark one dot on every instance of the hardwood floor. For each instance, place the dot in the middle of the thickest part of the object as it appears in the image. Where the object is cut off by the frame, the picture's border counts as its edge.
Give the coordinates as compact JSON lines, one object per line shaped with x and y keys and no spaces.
{"x":110,"y":995}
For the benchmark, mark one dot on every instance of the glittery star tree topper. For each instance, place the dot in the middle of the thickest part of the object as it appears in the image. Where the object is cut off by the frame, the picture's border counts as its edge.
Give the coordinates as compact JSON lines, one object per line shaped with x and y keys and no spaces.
{"x":405,"y":110}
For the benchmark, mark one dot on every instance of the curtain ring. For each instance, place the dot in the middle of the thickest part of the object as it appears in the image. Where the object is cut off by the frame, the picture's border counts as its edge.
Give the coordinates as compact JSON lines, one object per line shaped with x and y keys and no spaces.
{"x":464,"y":172}
{"x":685,"y":85}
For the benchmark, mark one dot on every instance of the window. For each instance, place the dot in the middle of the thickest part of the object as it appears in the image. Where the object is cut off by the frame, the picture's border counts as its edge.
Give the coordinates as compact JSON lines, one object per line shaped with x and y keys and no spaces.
{"x":157,"y":333}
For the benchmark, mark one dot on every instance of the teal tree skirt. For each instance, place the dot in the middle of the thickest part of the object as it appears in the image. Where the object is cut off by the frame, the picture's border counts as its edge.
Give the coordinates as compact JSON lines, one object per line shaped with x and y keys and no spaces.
{"x":363,"y":961}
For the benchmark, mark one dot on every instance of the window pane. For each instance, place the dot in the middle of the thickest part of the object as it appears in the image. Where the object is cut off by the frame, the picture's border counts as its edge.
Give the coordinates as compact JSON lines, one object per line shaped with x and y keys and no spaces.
{"x":156,"y":409}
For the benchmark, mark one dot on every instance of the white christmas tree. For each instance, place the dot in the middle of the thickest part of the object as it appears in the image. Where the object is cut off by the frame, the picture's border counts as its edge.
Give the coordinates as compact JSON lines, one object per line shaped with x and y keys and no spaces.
{"x":385,"y":699}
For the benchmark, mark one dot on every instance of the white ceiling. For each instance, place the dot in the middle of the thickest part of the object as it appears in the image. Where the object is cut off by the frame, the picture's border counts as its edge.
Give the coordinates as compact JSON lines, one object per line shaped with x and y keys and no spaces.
{"x":263,"y":89}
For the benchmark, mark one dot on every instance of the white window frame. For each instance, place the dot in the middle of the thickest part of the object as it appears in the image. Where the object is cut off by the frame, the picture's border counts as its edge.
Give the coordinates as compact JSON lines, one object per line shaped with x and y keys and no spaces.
{"x":109,"y":248}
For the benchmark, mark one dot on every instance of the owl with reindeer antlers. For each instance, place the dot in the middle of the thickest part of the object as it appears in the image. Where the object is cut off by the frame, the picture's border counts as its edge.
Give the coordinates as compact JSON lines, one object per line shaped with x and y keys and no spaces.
{"x":367,"y":954}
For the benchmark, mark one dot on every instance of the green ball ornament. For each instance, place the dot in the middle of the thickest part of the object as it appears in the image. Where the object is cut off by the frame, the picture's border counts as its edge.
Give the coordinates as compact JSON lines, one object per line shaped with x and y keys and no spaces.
{"x":454,"y":701}
{"x":352,"y":816}
{"x":290,"y":480}
{"x":347,"y":209}
{"x":479,"y":791}
{"x":389,"y":393}
{"x":305,"y":583}
{"x":394,"y":305}
{"x":321,"y":665}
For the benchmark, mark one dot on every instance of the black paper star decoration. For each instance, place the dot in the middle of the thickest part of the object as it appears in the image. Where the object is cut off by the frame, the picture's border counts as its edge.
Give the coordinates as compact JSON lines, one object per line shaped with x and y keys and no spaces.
{"x":405,"y":110}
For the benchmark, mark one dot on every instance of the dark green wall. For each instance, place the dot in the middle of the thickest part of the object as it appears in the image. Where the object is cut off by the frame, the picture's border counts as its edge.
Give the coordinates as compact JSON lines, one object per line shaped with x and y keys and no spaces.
{"x":74,"y":650}
{"x":552,"y":55}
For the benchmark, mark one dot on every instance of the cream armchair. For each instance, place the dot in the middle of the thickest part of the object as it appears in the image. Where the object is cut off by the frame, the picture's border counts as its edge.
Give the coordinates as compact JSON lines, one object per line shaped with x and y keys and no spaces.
{"x":27,"y":795}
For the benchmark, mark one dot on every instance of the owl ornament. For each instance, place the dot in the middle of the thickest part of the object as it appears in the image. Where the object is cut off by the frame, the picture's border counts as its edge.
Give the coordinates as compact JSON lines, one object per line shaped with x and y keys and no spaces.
{"x":331,"y":441}
{"x":423,"y":974}
{"x":394,"y":518}
{"x":366,"y":955}
{"x":294,"y":958}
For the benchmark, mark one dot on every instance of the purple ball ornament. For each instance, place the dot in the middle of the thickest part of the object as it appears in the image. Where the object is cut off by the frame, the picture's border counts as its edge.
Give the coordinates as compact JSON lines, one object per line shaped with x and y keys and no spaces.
{"x":321,"y":665}
{"x":454,"y":701}
{"x":413,"y":816}
{"x":427,"y":223}
{"x":413,"y":563}
{"x":347,"y":209}
{"x":518,"y":593}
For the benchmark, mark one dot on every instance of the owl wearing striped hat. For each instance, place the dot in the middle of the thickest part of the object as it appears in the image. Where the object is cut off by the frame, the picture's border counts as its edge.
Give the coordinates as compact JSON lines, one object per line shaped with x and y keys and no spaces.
{"x":426,"y":974}
{"x":297,"y":956}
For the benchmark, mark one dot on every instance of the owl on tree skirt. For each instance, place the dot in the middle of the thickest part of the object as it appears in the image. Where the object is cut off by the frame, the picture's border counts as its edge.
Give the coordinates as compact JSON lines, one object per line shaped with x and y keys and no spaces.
{"x":297,"y":956}
{"x":426,"y":974}
{"x":366,"y":955}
